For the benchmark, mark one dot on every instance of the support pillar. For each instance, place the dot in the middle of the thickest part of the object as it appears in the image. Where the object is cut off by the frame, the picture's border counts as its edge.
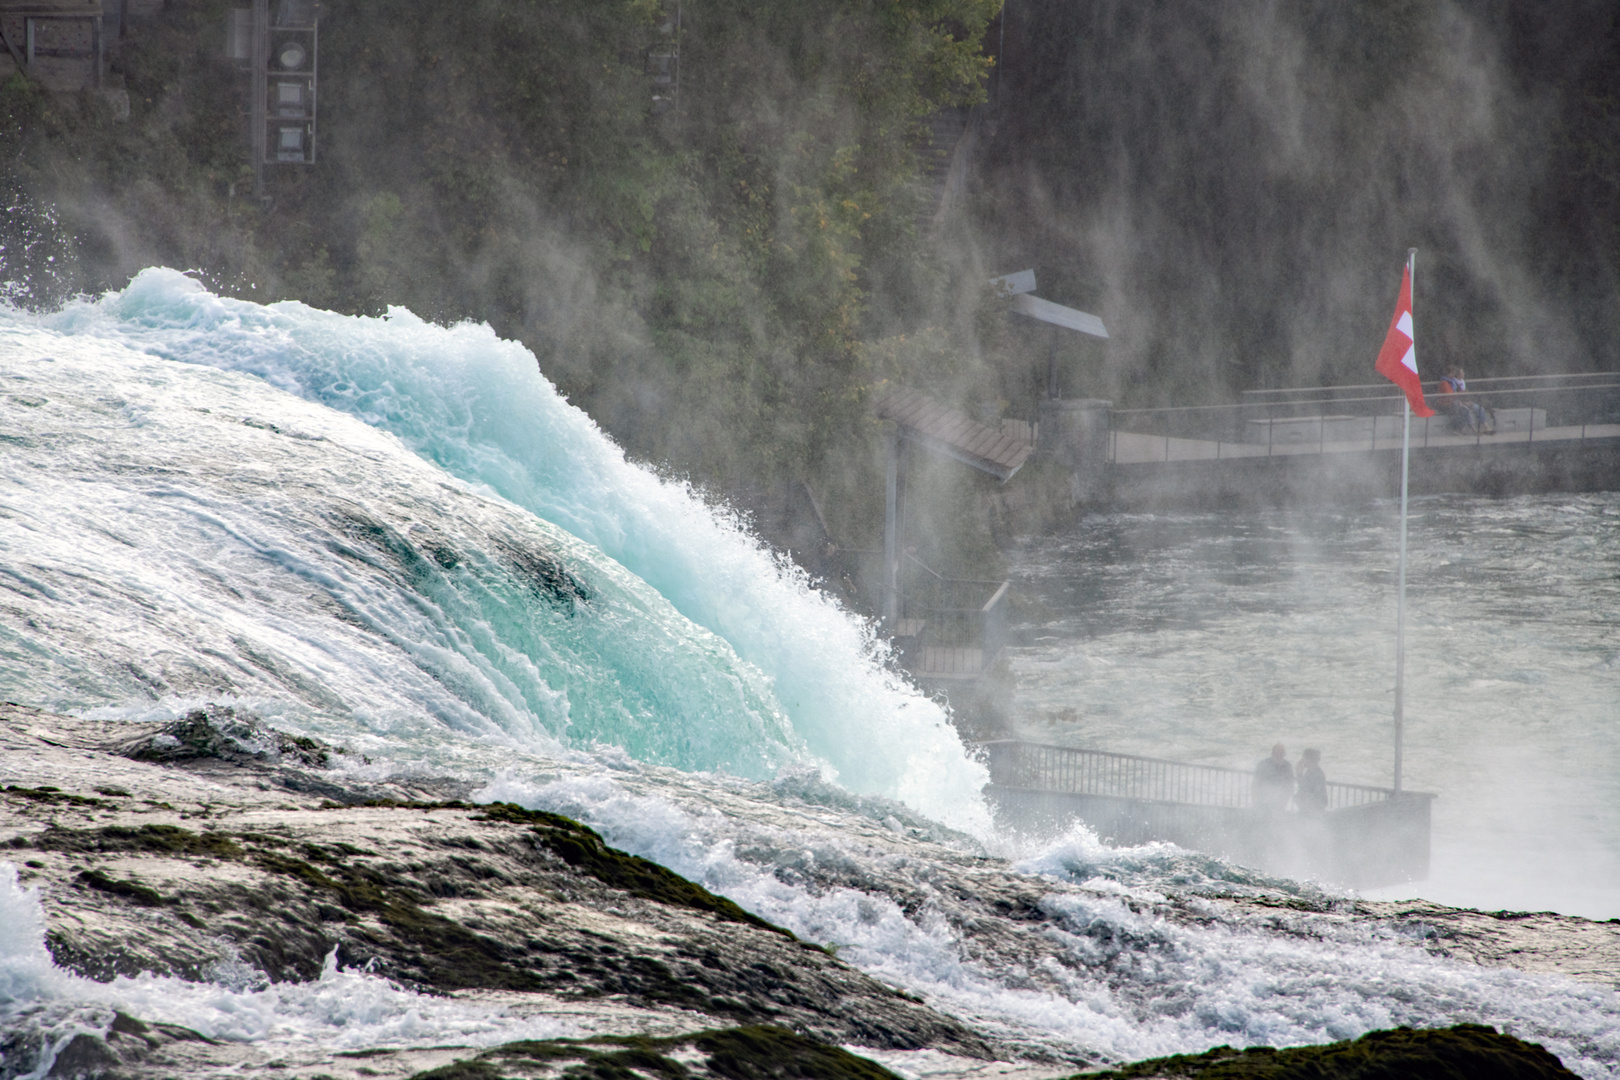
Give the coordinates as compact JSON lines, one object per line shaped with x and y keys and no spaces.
{"x":891,"y":530}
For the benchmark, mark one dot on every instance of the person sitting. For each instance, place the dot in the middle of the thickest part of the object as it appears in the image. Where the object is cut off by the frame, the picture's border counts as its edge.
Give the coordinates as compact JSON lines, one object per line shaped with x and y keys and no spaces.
{"x":1311,"y":798}
{"x":1465,"y":413}
{"x":1273,"y":781}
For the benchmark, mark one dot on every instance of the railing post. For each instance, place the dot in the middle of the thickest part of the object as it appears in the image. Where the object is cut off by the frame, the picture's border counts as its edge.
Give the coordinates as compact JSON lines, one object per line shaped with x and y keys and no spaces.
{"x":891,"y":531}
{"x":993,"y":626}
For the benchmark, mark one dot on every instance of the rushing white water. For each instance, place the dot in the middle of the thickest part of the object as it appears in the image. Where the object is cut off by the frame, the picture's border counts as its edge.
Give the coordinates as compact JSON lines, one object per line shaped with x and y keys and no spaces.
{"x":398,"y":537}
{"x":1207,"y":637}
{"x":1107,"y":975}
{"x":277,"y":492}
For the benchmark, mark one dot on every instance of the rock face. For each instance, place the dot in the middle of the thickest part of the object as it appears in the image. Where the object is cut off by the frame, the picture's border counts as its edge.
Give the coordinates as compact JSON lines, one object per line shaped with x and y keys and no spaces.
{"x":215,"y":841}
{"x":217,"y":848}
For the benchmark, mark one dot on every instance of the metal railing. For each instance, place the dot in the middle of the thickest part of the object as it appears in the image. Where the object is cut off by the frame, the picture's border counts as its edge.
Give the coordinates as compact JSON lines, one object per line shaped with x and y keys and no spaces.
{"x":1072,"y":771}
{"x":957,"y":612}
{"x":1337,"y":419}
{"x":963,"y":626}
{"x":963,"y":622}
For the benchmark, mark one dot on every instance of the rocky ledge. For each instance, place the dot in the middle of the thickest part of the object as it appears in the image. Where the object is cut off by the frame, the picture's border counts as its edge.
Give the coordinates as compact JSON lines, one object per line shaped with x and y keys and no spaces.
{"x":215,"y":841}
{"x":217,"y":846}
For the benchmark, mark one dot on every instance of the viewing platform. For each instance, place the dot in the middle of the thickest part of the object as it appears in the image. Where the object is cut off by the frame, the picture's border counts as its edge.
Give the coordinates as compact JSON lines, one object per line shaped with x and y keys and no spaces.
{"x":1550,"y":433}
{"x":1368,"y":836}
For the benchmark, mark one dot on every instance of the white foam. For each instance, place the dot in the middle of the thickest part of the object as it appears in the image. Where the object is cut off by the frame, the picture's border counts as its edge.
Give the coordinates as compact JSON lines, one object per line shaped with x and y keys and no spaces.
{"x":478,"y":407}
{"x":1112,"y":977}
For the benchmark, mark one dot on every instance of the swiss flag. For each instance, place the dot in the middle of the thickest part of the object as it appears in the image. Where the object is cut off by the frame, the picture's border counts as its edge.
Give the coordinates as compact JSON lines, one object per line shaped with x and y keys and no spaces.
{"x":1397,"y":360}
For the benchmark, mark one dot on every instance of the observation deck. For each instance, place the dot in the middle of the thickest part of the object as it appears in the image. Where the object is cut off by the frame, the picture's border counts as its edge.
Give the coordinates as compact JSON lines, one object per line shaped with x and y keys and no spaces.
{"x":1368,"y":836}
{"x":1551,"y":433}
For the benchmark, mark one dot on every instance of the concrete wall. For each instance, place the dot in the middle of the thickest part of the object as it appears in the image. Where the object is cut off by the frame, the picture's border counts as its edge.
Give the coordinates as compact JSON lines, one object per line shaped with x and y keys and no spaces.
{"x":1503,"y":469}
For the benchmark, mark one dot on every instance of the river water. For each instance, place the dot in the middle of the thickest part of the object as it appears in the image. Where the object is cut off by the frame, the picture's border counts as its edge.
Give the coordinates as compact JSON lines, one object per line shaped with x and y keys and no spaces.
{"x":1207,"y":637}
{"x":399,"y":538}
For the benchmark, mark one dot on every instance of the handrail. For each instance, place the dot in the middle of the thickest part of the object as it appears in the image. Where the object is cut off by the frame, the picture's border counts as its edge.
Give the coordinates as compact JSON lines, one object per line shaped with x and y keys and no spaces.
{"x":1076,"y":771}
{"x":1393,"y":397}
{"x":936,"y":574}
{"x":1436,"y":382}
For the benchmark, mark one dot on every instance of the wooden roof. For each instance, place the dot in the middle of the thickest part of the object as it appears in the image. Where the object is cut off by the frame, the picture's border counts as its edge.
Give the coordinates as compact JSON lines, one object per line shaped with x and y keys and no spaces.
{"x":954,"y":434}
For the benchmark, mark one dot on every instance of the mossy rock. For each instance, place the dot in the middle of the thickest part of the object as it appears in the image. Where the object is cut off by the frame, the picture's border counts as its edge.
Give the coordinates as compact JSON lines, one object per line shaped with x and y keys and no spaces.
{"x":166,"y":840}
{"x":759,"y":1052}
{"x":584,"y":850}
{"x":54,"y":796}
{"x":1464,"y":1052}
{"x":217,"y":731}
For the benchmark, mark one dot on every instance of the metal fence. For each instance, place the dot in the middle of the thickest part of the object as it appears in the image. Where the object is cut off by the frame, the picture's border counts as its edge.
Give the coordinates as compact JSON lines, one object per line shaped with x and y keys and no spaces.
{"x":958,"y":612}
{"x":1338,"y":418}
{"x":961,"y":623}
{"x":1072,"y":771}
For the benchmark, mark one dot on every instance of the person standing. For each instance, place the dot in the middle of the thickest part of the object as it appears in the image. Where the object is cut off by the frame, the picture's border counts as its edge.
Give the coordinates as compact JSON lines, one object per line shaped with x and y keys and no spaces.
{"x":1273,"y":781}
{"x":1311,"y":798}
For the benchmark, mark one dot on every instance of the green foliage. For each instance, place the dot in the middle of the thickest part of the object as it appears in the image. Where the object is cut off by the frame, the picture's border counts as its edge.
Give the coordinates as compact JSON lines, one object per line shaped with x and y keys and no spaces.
{"x":701,"y":280}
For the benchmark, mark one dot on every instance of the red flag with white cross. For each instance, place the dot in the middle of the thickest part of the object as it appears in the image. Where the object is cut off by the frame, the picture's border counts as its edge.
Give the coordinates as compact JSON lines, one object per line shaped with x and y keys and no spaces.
{"x":1397,"y":360}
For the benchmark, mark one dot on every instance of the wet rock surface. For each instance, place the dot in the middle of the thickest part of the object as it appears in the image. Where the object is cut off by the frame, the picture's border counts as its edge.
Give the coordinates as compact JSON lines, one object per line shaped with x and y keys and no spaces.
{"x":215,"y":846}
{"x":1467,"y":1050}
{"x":732,"y":1054}
{"x":177,"y":873}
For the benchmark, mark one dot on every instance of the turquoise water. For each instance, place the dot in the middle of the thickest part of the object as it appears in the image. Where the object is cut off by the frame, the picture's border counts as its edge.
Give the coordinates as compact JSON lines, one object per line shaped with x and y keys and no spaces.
{"x":242,"y":436}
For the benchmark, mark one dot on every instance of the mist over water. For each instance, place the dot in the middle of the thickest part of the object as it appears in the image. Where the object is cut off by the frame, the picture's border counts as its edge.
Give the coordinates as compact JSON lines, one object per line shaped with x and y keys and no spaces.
{"x":1207,"y":637}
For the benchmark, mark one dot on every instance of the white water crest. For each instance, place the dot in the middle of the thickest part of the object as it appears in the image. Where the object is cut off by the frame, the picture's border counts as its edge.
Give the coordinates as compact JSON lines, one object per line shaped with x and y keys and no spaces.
{"x":265,"y":450}
{"x":1111,"y":969}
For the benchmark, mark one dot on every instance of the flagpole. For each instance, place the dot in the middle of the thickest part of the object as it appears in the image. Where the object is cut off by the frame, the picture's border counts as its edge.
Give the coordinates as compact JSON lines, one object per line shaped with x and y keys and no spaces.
{"x":1400,"y":595}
